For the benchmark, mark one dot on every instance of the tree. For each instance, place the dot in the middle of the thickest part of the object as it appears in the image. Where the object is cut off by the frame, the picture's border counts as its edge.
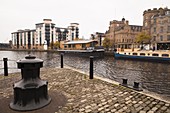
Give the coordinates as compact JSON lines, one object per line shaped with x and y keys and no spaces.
{"x":57,"y":44}
{"x":143,"y":38}
{"x":51,"y":45}
{"x":107,"y":43}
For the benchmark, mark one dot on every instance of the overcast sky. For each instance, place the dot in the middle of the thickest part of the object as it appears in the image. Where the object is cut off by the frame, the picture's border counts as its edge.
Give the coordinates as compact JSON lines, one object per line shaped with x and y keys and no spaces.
{"x":92,"y":15}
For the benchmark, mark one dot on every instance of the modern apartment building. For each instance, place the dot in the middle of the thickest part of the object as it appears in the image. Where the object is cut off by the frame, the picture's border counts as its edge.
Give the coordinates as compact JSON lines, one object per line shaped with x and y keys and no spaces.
{"x":61,"y":34}
{"x":44,"y":35}
{"x":73,"y":31}
{"x":70,"y":33}
{"x":122,"y":34}
{"x":24,"y":39}
{"x":157,"y":23}
{"x":99,"y":37}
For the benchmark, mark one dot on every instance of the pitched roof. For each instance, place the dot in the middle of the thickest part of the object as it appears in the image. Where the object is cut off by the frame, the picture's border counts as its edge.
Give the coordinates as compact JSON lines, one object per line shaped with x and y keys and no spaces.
{"x":80,"y":42}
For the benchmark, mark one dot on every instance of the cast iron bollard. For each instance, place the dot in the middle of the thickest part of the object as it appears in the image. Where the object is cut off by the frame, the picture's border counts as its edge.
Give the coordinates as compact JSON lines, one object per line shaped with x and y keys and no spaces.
{"x":5,"y":66}
{"x":61,"y":60}
{"x":91,"y":67}
{"x":136,"y":85}
{"x":30,"y":92}
{"x":124,"y":82}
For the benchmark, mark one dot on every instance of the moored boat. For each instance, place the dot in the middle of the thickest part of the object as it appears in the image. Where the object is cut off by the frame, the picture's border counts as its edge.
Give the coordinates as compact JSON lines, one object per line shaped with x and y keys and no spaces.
{"x":84,"y":53}
{"x":158,"y":56}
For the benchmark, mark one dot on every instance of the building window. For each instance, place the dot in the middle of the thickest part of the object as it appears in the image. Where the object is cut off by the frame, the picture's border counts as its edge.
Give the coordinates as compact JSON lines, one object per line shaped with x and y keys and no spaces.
{"x":161,"y":30}
{"x":77,"y":32}
{"x":169,"y":20}
{"x":72,"y":36}
{"x":161,"y":38}
{"x":29,"y":39}
{"x":69,"y":46}
{"x":25,"y":38}
{"x":154,"y":38}
{"x":21,"y":38}
{"x":168,"y":37}
{"x":15,"y":41}
{"x":52,"y":37}
{"x":154,"y":29}
{"x":168,"y":28}
{"x":33,"y":39}
{"x":40,"y":37}
{"x":161,"y":22}
{"x":154,"y":21}
{"x":146,"y":24}
{"x":83,"y":45}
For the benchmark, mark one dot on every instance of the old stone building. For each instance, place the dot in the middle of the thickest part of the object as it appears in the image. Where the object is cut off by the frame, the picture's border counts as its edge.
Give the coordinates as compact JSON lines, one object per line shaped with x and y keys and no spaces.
{"x":157,"y":23}
{"x":122,"y":34}
{"x":148,"y":16}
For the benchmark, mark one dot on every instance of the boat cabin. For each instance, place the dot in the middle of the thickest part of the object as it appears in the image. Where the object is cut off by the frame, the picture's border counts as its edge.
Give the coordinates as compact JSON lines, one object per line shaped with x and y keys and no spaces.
{"x":80,"y":45}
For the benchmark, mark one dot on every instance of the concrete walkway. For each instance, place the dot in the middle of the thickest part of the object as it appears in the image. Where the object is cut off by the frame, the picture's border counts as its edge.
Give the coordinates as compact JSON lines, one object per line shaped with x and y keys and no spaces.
{"x":74,"y":92}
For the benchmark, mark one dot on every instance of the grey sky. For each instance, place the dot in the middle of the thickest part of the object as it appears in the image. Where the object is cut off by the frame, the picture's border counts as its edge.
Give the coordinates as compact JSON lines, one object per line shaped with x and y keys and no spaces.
{"x":92,"y":15}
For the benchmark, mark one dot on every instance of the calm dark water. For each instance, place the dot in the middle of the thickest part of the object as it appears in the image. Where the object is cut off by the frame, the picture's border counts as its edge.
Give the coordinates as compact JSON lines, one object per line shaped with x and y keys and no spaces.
{"x":50,"y":59}
{"x":154,"y":77}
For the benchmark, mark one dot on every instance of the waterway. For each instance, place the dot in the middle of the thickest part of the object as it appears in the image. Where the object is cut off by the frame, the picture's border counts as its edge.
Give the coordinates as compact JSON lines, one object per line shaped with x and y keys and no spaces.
{"x":153,"y":77}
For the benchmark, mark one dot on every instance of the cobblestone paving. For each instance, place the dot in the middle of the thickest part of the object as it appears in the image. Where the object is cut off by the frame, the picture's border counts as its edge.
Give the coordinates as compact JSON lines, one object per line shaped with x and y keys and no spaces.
{"x":95,"y":96}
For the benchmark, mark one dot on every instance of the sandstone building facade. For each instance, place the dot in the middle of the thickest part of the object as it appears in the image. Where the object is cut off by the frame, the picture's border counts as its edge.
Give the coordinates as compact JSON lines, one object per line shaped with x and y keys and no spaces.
{"x":156,"y":23}
{"x":122,"y":34}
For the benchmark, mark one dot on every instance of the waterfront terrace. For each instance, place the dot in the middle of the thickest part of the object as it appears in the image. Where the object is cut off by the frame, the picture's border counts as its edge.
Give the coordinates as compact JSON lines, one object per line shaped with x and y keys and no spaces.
{"x":73,"y":92}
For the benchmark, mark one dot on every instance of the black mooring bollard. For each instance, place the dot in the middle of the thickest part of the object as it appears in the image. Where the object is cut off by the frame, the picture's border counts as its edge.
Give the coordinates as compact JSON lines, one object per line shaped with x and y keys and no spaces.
{"x":31,"y":92}
{"x":5,"y":66}
{"x":136,"y":85}
{"x":61,"y":60}
{"x":124,"y":81}
{"x":91,"y":67}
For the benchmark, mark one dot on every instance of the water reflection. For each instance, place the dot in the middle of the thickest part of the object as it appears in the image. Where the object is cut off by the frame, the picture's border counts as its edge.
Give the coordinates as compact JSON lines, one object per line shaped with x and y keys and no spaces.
{"x":154,"y":77}
{"x":50,"y":59}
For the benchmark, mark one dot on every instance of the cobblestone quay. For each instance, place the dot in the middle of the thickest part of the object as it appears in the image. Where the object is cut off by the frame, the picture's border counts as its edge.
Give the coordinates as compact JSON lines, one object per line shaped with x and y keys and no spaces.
{"x":74,"y":92}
